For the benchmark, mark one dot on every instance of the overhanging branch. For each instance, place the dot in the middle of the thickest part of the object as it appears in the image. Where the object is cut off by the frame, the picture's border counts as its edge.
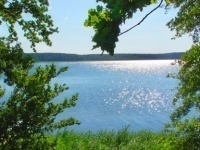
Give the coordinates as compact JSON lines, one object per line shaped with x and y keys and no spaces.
{"x":142,"y":18}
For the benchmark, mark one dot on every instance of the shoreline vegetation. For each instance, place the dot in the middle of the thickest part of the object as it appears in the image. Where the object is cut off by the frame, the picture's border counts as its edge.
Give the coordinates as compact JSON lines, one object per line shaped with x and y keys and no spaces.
{"x":104,"y":57}
{"x":119,"y":140}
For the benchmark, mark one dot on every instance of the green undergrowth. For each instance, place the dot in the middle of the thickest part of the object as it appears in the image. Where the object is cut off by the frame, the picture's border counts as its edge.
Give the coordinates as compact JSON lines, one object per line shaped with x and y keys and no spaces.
{"x":120,"y":140}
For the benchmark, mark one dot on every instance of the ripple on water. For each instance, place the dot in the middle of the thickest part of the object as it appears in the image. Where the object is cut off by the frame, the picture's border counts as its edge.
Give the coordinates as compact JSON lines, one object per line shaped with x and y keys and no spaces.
{"x":113,"y":94}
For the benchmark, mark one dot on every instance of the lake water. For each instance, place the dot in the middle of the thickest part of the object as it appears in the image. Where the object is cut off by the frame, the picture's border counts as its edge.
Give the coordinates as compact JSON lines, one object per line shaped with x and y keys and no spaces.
{"x":114,"y":94}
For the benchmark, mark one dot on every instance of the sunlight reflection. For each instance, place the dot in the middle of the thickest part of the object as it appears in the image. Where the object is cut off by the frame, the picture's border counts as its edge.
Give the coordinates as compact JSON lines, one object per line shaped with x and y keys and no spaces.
{"x":140,"y":91}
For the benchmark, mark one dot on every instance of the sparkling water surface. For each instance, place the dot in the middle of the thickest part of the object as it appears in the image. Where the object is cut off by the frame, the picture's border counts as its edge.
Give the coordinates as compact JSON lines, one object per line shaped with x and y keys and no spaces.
{"x":114,"y":94}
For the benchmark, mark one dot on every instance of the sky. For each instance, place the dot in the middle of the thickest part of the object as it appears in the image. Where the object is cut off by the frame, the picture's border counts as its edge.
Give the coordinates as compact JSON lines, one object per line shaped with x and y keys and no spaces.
{"x":152,"y":36}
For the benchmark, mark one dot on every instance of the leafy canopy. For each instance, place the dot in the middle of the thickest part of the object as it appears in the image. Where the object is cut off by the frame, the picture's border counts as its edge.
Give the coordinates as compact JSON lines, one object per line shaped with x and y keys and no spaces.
{"x":188,"y":89}
{"x":29,"y":113}
{"x":37,"y":29}
{"x":186,"y":117}
{"x":188,"y":18}
{"x":106,"y":20}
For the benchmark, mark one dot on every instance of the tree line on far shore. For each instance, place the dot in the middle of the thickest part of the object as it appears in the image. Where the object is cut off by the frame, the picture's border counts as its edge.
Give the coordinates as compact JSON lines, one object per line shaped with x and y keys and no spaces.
{"x":104,"y":57}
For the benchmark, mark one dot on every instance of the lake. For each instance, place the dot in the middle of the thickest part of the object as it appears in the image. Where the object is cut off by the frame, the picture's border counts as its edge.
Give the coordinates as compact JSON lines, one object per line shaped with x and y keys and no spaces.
{"x":114,"y":94}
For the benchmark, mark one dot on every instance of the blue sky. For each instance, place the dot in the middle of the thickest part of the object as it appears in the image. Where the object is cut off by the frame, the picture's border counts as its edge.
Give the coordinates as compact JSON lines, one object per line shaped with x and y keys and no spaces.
{"x":152,"y":36}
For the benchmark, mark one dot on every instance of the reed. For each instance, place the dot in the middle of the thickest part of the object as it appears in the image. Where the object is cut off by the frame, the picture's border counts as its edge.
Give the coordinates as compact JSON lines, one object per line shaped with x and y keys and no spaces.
{"x":117,"y":140}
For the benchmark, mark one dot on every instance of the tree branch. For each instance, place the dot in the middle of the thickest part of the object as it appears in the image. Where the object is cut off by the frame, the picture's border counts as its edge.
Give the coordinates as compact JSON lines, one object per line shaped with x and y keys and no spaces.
{"x":142,"y":18}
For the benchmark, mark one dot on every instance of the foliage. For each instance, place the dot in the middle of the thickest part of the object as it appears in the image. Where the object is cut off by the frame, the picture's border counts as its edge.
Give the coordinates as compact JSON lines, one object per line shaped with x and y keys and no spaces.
{"x":188,"y":98}
{"x":188,"y":133}
{"x":188,"y":18}
{"x":29,"y":113}
{"x":106,"y":20}
{"x":188,"y":89}
{"x":37,"y":29}
{"x":122,"y":139}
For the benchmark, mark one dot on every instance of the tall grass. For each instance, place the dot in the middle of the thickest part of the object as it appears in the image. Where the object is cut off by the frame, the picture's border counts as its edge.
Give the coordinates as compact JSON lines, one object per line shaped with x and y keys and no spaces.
{"x":120,"y":140}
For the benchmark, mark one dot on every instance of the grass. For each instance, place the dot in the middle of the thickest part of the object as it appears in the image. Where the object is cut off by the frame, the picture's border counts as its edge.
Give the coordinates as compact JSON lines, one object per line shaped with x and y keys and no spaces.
{"x":121,"y":140}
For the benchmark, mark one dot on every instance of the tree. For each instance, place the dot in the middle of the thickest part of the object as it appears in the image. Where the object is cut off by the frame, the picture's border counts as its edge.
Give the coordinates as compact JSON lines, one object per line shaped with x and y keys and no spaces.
{"x":29,"y":113}
{"x":188,"y":98}
{"x":188,"y":18}
{"x":188,"y":89}
{"x":106,"y":20}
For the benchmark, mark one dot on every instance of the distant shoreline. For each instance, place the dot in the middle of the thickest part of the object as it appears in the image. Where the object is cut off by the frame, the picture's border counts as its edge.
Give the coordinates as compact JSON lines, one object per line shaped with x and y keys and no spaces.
{"x":104,"y":57}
